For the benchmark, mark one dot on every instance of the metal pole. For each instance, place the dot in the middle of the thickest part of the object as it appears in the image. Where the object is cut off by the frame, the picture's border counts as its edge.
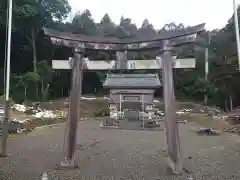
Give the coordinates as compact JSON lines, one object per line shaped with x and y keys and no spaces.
{"x":172,"y":133}
{"x":206,"y":68}
{"x":143,"y":111}
{"x":7,"y":82}
{"x":73,"y":115}
{"x":120,"y":105}
{"x":237,"y":31}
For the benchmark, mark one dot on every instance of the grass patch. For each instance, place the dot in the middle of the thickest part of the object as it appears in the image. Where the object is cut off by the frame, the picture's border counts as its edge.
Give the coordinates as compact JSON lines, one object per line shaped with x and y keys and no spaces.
{"x":207,"y":121}
{"x":48,"y":121}
{"x":202,"y":120}
{"x":94,"y":108}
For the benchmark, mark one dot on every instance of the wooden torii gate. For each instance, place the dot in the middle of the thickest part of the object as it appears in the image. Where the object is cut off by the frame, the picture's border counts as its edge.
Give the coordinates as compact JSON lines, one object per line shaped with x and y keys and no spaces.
{"x":163,"y":42}
{"x":134,"y":64}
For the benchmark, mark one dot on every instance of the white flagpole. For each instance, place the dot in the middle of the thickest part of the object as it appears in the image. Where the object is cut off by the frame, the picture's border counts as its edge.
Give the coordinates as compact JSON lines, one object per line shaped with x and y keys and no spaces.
{"x":206,"y":67}
{"x":237,"y":31}
{"x":7,"y":81}
{"x":143,"y":111}
{"x":120,"y":105}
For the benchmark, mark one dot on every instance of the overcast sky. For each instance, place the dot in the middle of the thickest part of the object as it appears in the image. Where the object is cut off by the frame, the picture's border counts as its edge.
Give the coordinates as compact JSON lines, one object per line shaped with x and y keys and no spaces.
{"x":215,"y":13}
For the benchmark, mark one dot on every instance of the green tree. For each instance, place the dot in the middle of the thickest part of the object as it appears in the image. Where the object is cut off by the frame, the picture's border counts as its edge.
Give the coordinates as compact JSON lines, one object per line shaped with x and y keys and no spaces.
{"x":27,"y":80}
{"x":45,"y":72}
{"x":147,"y":28}
{"x":83,"y":23}
{"x":29,"y":16}
{"x":106,"y":27}
{"x":126,"y":28}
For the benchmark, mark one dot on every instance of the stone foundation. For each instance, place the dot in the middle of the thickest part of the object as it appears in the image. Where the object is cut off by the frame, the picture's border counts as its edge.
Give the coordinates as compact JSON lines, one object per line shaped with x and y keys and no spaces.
{"x":110,"y":123}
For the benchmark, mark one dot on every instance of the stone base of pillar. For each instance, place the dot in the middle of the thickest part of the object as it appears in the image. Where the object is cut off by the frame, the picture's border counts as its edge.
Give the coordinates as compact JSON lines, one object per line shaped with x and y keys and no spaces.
{"x":110,"y":123}
{"x":174,"y":168}
{"x":4,"y":155}
{"x":102,"y":125}
{"x":68,"y":164}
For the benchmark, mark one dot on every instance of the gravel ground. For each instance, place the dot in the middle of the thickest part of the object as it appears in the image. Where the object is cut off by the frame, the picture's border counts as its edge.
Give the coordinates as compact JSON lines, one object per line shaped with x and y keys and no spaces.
{"x":119,"y":154}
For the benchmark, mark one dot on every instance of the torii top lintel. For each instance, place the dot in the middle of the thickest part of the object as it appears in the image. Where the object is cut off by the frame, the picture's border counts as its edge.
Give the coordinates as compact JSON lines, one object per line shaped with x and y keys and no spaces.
{"x":176,"y":37}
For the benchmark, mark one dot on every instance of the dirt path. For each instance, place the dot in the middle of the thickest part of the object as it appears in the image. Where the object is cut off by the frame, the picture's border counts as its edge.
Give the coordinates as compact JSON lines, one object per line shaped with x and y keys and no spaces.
{"x":118,"y":154}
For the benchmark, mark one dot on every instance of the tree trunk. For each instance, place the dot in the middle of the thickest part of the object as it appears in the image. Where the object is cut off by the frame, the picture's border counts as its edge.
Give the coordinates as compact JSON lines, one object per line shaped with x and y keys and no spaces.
{"x":230,"y":103}
{"x":226,"y":104}
{"x":205,"y":100}
{"x":25,"y":92}
{"x":34,"y":50}
{"x":37,"y":92}
{"x":62,"y":93}
{"x":34,"y":53}
{"x":45,"y":92}
{"x":42,"y":84}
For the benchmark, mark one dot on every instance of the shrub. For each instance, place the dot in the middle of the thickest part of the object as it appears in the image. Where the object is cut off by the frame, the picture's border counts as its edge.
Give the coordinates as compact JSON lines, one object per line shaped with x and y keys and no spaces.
{"x":48,"y":121}
{"x":101,"y":112}
{"x":29,"y":112}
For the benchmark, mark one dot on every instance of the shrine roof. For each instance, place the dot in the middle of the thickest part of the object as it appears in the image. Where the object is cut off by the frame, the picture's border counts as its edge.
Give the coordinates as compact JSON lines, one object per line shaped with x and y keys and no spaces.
{"x":138,"y":81}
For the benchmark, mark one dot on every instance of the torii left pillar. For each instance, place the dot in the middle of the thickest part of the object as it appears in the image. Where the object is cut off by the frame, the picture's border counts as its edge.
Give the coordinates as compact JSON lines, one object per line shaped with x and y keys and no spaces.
{"x":74,"y":108}
{"x":172,"y":133}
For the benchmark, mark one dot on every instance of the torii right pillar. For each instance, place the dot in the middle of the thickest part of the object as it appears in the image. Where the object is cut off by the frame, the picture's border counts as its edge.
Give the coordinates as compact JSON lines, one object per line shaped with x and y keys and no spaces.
{"x":172,"y":132}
